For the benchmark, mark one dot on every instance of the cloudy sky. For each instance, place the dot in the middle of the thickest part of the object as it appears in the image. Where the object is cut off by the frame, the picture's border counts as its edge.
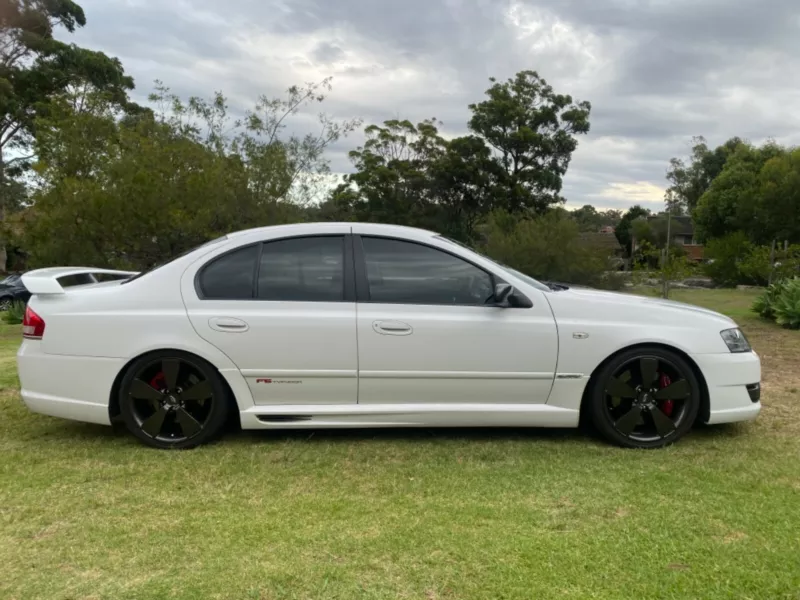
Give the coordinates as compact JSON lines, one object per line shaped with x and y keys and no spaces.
{"x":657,"y":72}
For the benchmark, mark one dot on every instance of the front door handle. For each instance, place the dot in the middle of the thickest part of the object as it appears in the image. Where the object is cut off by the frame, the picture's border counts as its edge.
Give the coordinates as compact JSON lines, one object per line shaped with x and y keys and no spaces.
{"x":392,"y":328}
{"x":228,"y":324}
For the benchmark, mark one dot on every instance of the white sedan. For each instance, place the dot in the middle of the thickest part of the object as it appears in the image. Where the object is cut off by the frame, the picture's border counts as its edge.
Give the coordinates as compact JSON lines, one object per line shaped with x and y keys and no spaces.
{"x":365,"y":325}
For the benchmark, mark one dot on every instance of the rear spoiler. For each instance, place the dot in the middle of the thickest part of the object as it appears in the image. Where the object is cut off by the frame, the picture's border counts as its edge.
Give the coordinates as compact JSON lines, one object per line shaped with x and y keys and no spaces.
{"x":46,"y":281}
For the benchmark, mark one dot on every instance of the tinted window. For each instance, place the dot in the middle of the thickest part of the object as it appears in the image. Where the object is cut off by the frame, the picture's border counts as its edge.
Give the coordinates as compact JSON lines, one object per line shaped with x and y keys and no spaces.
{"x":230,"y":277}
{"x":302,"y":269}
{"x":406,"y":273}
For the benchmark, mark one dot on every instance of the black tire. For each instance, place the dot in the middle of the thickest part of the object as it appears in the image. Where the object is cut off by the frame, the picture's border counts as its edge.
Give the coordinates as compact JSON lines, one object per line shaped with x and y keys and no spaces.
{"x":629,"y":412}
{"x":187,"y":411}
{"x":5,"y":303}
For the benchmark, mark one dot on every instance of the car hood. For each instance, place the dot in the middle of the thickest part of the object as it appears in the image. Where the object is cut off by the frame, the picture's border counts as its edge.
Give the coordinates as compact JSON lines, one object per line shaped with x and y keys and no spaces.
{"x":583,"y":302}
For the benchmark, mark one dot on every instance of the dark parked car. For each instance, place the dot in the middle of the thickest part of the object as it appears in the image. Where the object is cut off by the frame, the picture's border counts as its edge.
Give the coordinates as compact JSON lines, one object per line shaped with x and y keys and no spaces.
{"x":12,"y":289}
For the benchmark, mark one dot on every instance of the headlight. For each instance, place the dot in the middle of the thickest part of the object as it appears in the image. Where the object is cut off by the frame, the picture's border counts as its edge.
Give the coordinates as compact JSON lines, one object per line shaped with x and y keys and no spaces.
{"x":735,"y":340}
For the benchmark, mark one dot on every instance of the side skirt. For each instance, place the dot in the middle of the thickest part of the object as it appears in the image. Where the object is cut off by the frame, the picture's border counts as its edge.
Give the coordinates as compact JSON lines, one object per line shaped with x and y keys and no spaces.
{"x":308,"y":416}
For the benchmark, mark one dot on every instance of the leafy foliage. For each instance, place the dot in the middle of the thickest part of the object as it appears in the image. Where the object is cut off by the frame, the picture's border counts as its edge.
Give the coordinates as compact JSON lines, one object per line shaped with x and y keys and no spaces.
{"x":751,"y":197}
{"x":589,"y":219}
{"x":531,"y":130}
{"x":134,"y":191}
{"x":523,"y":137}
{"x":786,"y":305}
{"x":15,"y":313}
{"x":757,"y":269}
{"x":623,"y":230}
{"x":35,"y":68}
{"x":726,"y":255}
{"x":546,"y":247}
{"x":764,"y":305}
{"x":688,"y":182}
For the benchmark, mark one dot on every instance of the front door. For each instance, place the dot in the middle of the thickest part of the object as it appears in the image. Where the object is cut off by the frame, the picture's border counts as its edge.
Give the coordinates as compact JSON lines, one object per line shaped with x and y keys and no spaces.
{"x":427,"y":335}
{"x":284,"y":312}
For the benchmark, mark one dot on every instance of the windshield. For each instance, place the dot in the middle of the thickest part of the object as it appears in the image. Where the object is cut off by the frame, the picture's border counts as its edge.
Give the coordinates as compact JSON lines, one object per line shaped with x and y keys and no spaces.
{"x":526,"y":278}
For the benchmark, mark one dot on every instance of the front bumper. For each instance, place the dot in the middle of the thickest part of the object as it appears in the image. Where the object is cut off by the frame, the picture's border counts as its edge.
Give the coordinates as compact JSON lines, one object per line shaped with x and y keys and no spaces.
{"x":732,"y":391}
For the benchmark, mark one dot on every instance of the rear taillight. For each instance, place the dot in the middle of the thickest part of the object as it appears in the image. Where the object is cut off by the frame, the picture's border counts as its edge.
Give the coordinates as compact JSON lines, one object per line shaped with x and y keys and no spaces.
{"x":32,"y":325}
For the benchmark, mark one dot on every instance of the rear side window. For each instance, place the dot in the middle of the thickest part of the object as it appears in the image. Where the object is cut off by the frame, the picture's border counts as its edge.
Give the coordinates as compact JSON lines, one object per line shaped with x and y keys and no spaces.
{"x":230,"y":277}
{"x":309,"y":269}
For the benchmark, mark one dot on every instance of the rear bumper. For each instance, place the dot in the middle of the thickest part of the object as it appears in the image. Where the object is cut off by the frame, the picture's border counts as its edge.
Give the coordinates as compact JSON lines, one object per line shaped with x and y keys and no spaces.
{"x":71,"y":387}
{"x":731,"y":380}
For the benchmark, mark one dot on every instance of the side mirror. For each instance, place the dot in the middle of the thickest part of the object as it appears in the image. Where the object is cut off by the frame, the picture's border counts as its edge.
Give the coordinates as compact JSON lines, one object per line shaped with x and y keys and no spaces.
{"x":505,"y":296}
{"x":502,"y":291}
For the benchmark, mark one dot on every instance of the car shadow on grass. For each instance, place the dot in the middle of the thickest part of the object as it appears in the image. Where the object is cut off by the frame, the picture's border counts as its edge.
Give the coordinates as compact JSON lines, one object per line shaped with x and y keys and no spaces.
{"x":60,"y":430}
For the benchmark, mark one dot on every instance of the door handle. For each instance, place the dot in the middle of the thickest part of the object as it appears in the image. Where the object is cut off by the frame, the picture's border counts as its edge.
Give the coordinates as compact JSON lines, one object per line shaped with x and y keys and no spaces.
{"x":392,"y":328}
{"x":228,"y":324}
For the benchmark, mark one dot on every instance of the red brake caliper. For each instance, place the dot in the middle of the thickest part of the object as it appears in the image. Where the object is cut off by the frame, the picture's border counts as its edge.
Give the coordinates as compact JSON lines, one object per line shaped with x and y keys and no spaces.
{"x":666,"y":405}
{"x":159,"y":382}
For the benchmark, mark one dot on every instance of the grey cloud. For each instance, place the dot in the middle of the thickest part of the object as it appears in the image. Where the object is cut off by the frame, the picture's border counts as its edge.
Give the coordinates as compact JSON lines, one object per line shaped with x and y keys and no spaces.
{"x":656,"y":71}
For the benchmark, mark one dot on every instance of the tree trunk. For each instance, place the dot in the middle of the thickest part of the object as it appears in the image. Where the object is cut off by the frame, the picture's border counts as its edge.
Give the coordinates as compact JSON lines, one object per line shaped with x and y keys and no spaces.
{"x":3,"y":204}
{"x":771,"y":262}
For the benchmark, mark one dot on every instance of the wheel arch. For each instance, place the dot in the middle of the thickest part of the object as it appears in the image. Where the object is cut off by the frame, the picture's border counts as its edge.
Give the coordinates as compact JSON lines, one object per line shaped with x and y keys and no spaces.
{"x":705,"y":404}
{"x":113,"y":399}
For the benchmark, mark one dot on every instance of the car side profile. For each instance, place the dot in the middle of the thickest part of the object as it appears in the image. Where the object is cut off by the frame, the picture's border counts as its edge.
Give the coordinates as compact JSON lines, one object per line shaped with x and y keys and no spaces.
{"x":337,"y":325}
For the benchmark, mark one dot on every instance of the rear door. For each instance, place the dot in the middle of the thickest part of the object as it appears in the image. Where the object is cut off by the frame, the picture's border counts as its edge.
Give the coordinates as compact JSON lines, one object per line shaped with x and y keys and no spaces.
{"x":284,"y":312}
{"x":427,"y":332}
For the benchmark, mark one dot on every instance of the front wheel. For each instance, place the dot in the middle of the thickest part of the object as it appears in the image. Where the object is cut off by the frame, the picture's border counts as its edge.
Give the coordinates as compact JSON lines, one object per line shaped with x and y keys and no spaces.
{"x":174,"y":400}
{"x":646,"y":397}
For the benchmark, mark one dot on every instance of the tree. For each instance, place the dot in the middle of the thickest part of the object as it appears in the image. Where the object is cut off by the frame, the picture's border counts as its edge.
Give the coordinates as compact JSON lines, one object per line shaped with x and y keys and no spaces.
{"x":623,"y":230}
{"x":132,"y":191}
{"x":734,"y":202}
{"x":778,"y":210}
{"x":35,"y":67}
{"x":690,"y":181}
{"x":393,"y":181}
{"x":589,"y":219}
{"x":532,"y":131}
{"x":547,"y":247}
{"x":410,"y":175}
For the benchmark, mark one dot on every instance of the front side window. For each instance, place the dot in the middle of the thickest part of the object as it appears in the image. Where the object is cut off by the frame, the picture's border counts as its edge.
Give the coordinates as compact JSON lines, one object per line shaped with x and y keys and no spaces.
{"x":400,"y":272}
{"x":309,"y":269}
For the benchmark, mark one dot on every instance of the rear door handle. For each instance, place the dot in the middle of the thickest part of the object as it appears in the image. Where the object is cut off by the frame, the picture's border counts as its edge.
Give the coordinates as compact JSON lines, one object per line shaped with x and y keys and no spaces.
{"x":228,"y":324}
{"x":392,"y":328}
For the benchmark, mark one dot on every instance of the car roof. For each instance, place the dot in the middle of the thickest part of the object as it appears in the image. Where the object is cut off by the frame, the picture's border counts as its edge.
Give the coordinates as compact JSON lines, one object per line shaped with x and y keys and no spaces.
{"x":302,"y":228}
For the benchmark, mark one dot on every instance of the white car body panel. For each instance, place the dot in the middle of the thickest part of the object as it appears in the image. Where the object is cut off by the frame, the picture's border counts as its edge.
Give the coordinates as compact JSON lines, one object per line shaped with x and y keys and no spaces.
{"x":330,"y":363}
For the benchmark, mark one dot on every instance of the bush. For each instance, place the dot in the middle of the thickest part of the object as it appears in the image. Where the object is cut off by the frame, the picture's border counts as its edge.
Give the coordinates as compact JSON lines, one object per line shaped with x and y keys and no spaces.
{"x":726,"y":255}
{"x":15,"y":314}
{"x":764,"y":305}
{"x":547,"y":248}
{"x":787,"y":305}
{"x":755,"y":267}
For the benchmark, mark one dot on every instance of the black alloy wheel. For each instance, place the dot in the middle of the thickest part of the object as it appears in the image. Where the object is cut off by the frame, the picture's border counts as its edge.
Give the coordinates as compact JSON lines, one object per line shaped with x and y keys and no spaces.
{"x":173,"y":400}
{"x":645,"y":398}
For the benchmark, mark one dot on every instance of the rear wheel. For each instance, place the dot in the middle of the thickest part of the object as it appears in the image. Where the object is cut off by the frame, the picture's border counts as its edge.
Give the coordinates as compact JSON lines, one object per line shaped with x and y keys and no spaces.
{"x":645,"y":397}
{"x":5,"y":303}
{"x":173,"y":399}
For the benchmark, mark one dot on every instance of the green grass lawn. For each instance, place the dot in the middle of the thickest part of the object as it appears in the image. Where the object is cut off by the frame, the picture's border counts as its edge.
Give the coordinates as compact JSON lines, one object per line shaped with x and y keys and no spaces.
{"x":87,"y":512}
